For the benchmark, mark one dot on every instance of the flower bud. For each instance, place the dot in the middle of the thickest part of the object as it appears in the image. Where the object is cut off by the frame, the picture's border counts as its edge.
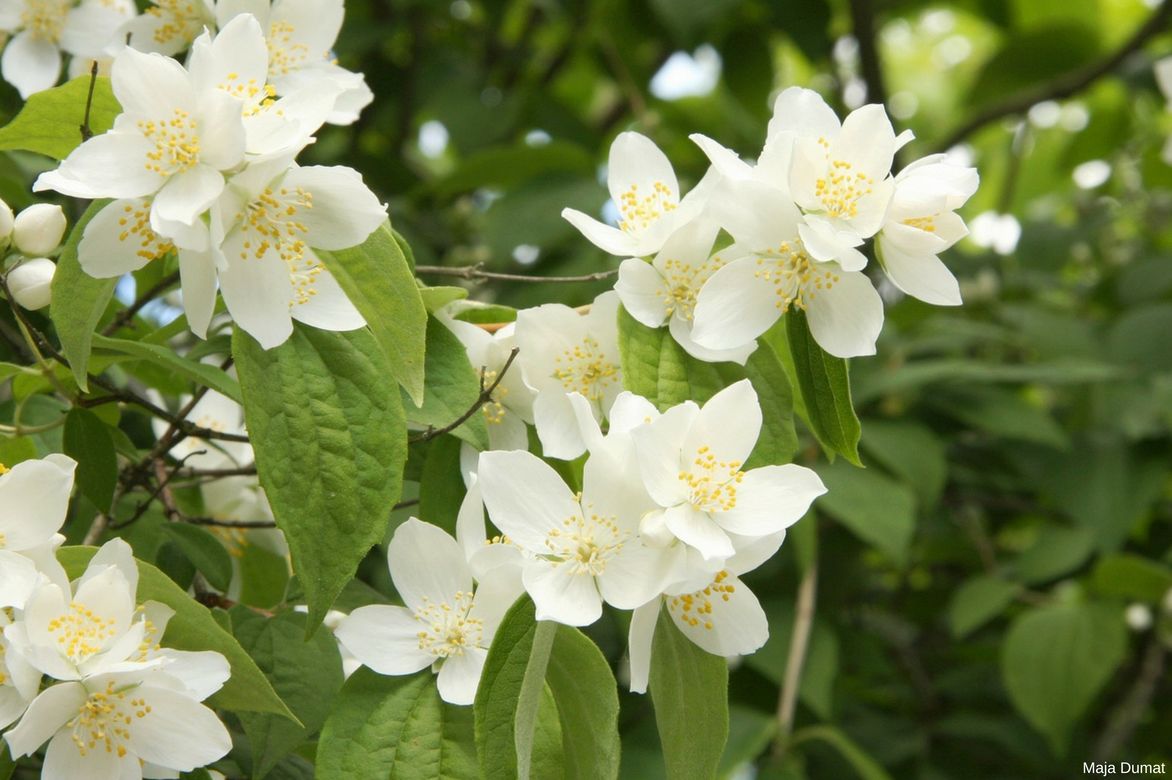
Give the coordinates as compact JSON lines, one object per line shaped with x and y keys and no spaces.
{"x":29,"y":282}
{"x":1139,"y":617}
{"x":5,"y":222}
{"x":38,"y":229}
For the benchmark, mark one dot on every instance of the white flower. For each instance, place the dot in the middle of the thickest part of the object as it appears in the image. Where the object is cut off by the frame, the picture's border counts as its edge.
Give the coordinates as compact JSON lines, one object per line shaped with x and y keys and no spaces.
{"x":169,"y":26}
{"x":37,"y":230}
{"x":771,"y":271}
{"x":718,"y":612}
{"x":565,"y":352}
{"x":691,"y":459}
{"x":921,"y":222}
{"x":644,"y":187}
{"x":838,"y":173}
{"x":34,"y":495}
{"x":19,"y":681}
{"x":44,"y":28}
{"x":581,"y":549}
{"x":665,"y":289}
{"x":999,"y":232}
{"x":272,"y":216}
{"x":120,"y":725}
{"x":7,"y":222}
{"x":511,"y":404}
{"x":172,"y":142}
{"x":215,"y":412}
{"x":301,"y":36}
{"x":31,"y":283}
{"x":446,"y":624}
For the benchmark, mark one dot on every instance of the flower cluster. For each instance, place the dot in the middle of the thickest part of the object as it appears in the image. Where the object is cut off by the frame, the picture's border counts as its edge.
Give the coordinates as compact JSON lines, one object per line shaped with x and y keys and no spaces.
{"x":29,"y":236}
{"x":201,"y":164}
{"x":81,"y":664}
{"x":796,"y":219}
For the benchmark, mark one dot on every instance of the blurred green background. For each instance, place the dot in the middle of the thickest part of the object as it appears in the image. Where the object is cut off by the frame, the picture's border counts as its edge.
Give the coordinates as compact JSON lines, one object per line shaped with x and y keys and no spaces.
{"x":992,"y":597}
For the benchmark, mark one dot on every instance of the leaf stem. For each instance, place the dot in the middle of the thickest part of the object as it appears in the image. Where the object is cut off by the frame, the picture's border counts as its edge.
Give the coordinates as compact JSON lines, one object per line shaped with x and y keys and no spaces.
{"x":477,"y":272}
{"x":529,"y":698}
{"x":798,"y":645}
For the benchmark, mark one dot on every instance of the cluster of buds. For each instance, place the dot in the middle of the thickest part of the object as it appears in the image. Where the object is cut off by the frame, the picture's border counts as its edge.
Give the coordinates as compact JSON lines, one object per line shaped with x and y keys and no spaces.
{"x":31,"y":235}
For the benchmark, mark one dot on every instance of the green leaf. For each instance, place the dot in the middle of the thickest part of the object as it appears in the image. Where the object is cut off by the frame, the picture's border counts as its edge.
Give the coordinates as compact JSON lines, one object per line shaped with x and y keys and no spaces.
{"x":165,"y":357}
{"x":377,"y":279}
{"x":87,"y":440}
{"x":587,"y":701}
{"x":398,"y":728}
{"x":977,"y":602}
{"x":508,"y":700}
{"x":205,"y":552}
{"x":824,"y":382}
{"x":779,"y":441}
{"x":1056,"y":659}
{"x":877,"y":509}
{"x":657,"y":368}
{"x":912,"y":452}
{"x":307,"y":675}
{"x":865,"y":767}
{"x":330,"y":444}
{"x":441,"y":485}
{"x":1057,"y":551}
{"x":50,"y":121}
{"x":435,"y":298}
{"x":7,"y":765}
{"x":78,"y":302}
{"x":689,"y":689}
{"x":1130,"y":576}
{"x":194,"y":628}
{"x":451,"y":387}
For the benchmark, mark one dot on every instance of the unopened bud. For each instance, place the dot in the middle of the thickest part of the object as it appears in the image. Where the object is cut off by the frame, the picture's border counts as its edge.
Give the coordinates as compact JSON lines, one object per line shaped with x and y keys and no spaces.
{"x":1139,"y":617}
{"x":6,"y":220}
{"x":30,"y":283}
{"x":38,"y":229}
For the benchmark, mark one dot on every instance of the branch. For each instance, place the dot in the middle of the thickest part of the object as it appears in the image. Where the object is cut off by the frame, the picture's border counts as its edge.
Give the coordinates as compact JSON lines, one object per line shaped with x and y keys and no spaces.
{"x":485,"y":397}
{"x":86,"y":132}
{"x":1131,"y":709}
{"x":127,"y":314}
{"x":798,"y":645}
{"x":863,"y":22}
{"x":1062,"y":87}
{"x":475,"y":272}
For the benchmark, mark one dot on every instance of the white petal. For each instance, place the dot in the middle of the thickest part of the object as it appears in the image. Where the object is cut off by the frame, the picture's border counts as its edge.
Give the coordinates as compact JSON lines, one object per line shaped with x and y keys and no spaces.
{"x":202,"y":673}
{"x":498,"y":589}
{"x":802,"y":112}
{"x":108,"y":246}
{"x":562,"y":595}
{"x":639,"y":640}
{"x":345,"y":212}
{"x":384,"y":638}
{"x":681,"y":331}
{"x":30,"y":64}
{"x":736,"y":626}
{"x":846,"y":319}
{"x":608,"y":239}
{"x":758,"y":216}
{"x":18,"y":578}
{"x":637,"y":573}
{"x":35,"y":497}
{"x":197,"y":271}
{"x":643,"y":292}
{"x":920,"y":276}
{"x":49,"y":712}
{"x":771,"y":499}
{"x":221,"y":130}
{"x":257,"y":292}
{"x":698,"y":530}
{"x":236,"y":60}
{"x":727,"y":426}
{"x":64,"y":760}
{"x":659,"y":444}
{"x":427,"y":565}
{"x":867,"y":140}
{"x":327,"y":307}
{"x":186,"y":196}
{"x":150,"y":85}
{"x":91,"y":28}
{"x":557,"y":426}
{"x":824,"y":240}
{"x":726,"y":162}
{"x":734,"y":307}
{"x":111,"y":165}
{"x":636,"y":164}
{"x":178,"y":732}
{"x":526,"y":498}
{"x":459,"y":676}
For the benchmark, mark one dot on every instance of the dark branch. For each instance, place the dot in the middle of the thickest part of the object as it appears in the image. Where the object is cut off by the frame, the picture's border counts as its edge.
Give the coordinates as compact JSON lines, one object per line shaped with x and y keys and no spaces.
{"x":86,"y":132}
{"x":1062,"y":87}
{"x":863,"y":22}
{"x":485,"y":397}
{"x":475,"y":272}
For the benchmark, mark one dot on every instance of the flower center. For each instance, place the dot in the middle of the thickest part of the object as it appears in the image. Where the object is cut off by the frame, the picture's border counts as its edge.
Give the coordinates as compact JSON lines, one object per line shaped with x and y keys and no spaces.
{"x":638,"y":210}
{"x":271,"y":224}
{"x":447,"y":628}
{"x":178,"y":19}
{"x":136,"y":221}
{"x":712,"y":483}
{"x":585,"y":542}
{"x":695,"y":609}
{"x":494,"y":411}
{"x":103,"y":721}
{"x":795,"y":277}
{"x":842,"y":187}
{"x":926,"y":224}
{"x":683,"y":283}
{"x":255,"y":95}
{"x":584,"y":369}
{"x":81,"y":633}
{"x":176,"y":143}
{"x":44,"y":19}
{"x":285,"y":55}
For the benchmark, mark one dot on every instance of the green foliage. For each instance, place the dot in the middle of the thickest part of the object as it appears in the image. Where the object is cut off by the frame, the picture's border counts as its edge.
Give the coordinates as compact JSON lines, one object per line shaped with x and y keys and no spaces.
{"x":87,"y":440}
{"x":825,"y":388}
{"x":194,"y":628}
{"x":165,"y":358}
{"x":78,"y":302}
{"x":204,"y":551}
{"x":330,"y":444}
{"x":657,"y":368}
{"x":451,"y":387}
{"x":583,"y":688}
{"x":50,"y":122}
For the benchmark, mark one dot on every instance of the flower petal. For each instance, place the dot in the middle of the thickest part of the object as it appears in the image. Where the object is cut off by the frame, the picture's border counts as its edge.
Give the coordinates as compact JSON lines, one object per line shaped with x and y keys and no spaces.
{"x":177,"y":732}
{"x":561,"y":594}
{"x":734,"y":307}
{"x":607,"y":238}
{"x":48,"y":713}
{"x":30,"y":63}
{"x":526,"y":498}
{"x":459,"y":676}
{"x":639,"y":639}
{"x":846,"y":318}
{"x":327,"y":306}
{"x":771,"y":499}
{"x":643,"y":292}
{"x":427,"y":565}
{"x":384,"y":638}
{"x":345,"y":212}
{"x":920,"y":276}
{"x":698,"y":530}
{"x":257,"y":292}
{"x":35,"y":497}
{"x":727,"y":426}
{"x":736,"y":624}
{"x":186,"y":196}
{"x":111,"y":165}
{"x":197,"y":272}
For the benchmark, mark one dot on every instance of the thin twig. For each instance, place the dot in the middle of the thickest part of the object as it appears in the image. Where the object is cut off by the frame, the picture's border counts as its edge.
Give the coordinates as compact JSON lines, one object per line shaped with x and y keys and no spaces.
{"x":127,"y":314}
{"x":1135,"y":703}
{"x":476,"y":272}
{"x":484,"y":397}
{"x":798,"y":645}
{"x":863,"y":22}
{"x":86,"y":132}
{"x":1064,"y":86}
{"x":217,"y":522}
